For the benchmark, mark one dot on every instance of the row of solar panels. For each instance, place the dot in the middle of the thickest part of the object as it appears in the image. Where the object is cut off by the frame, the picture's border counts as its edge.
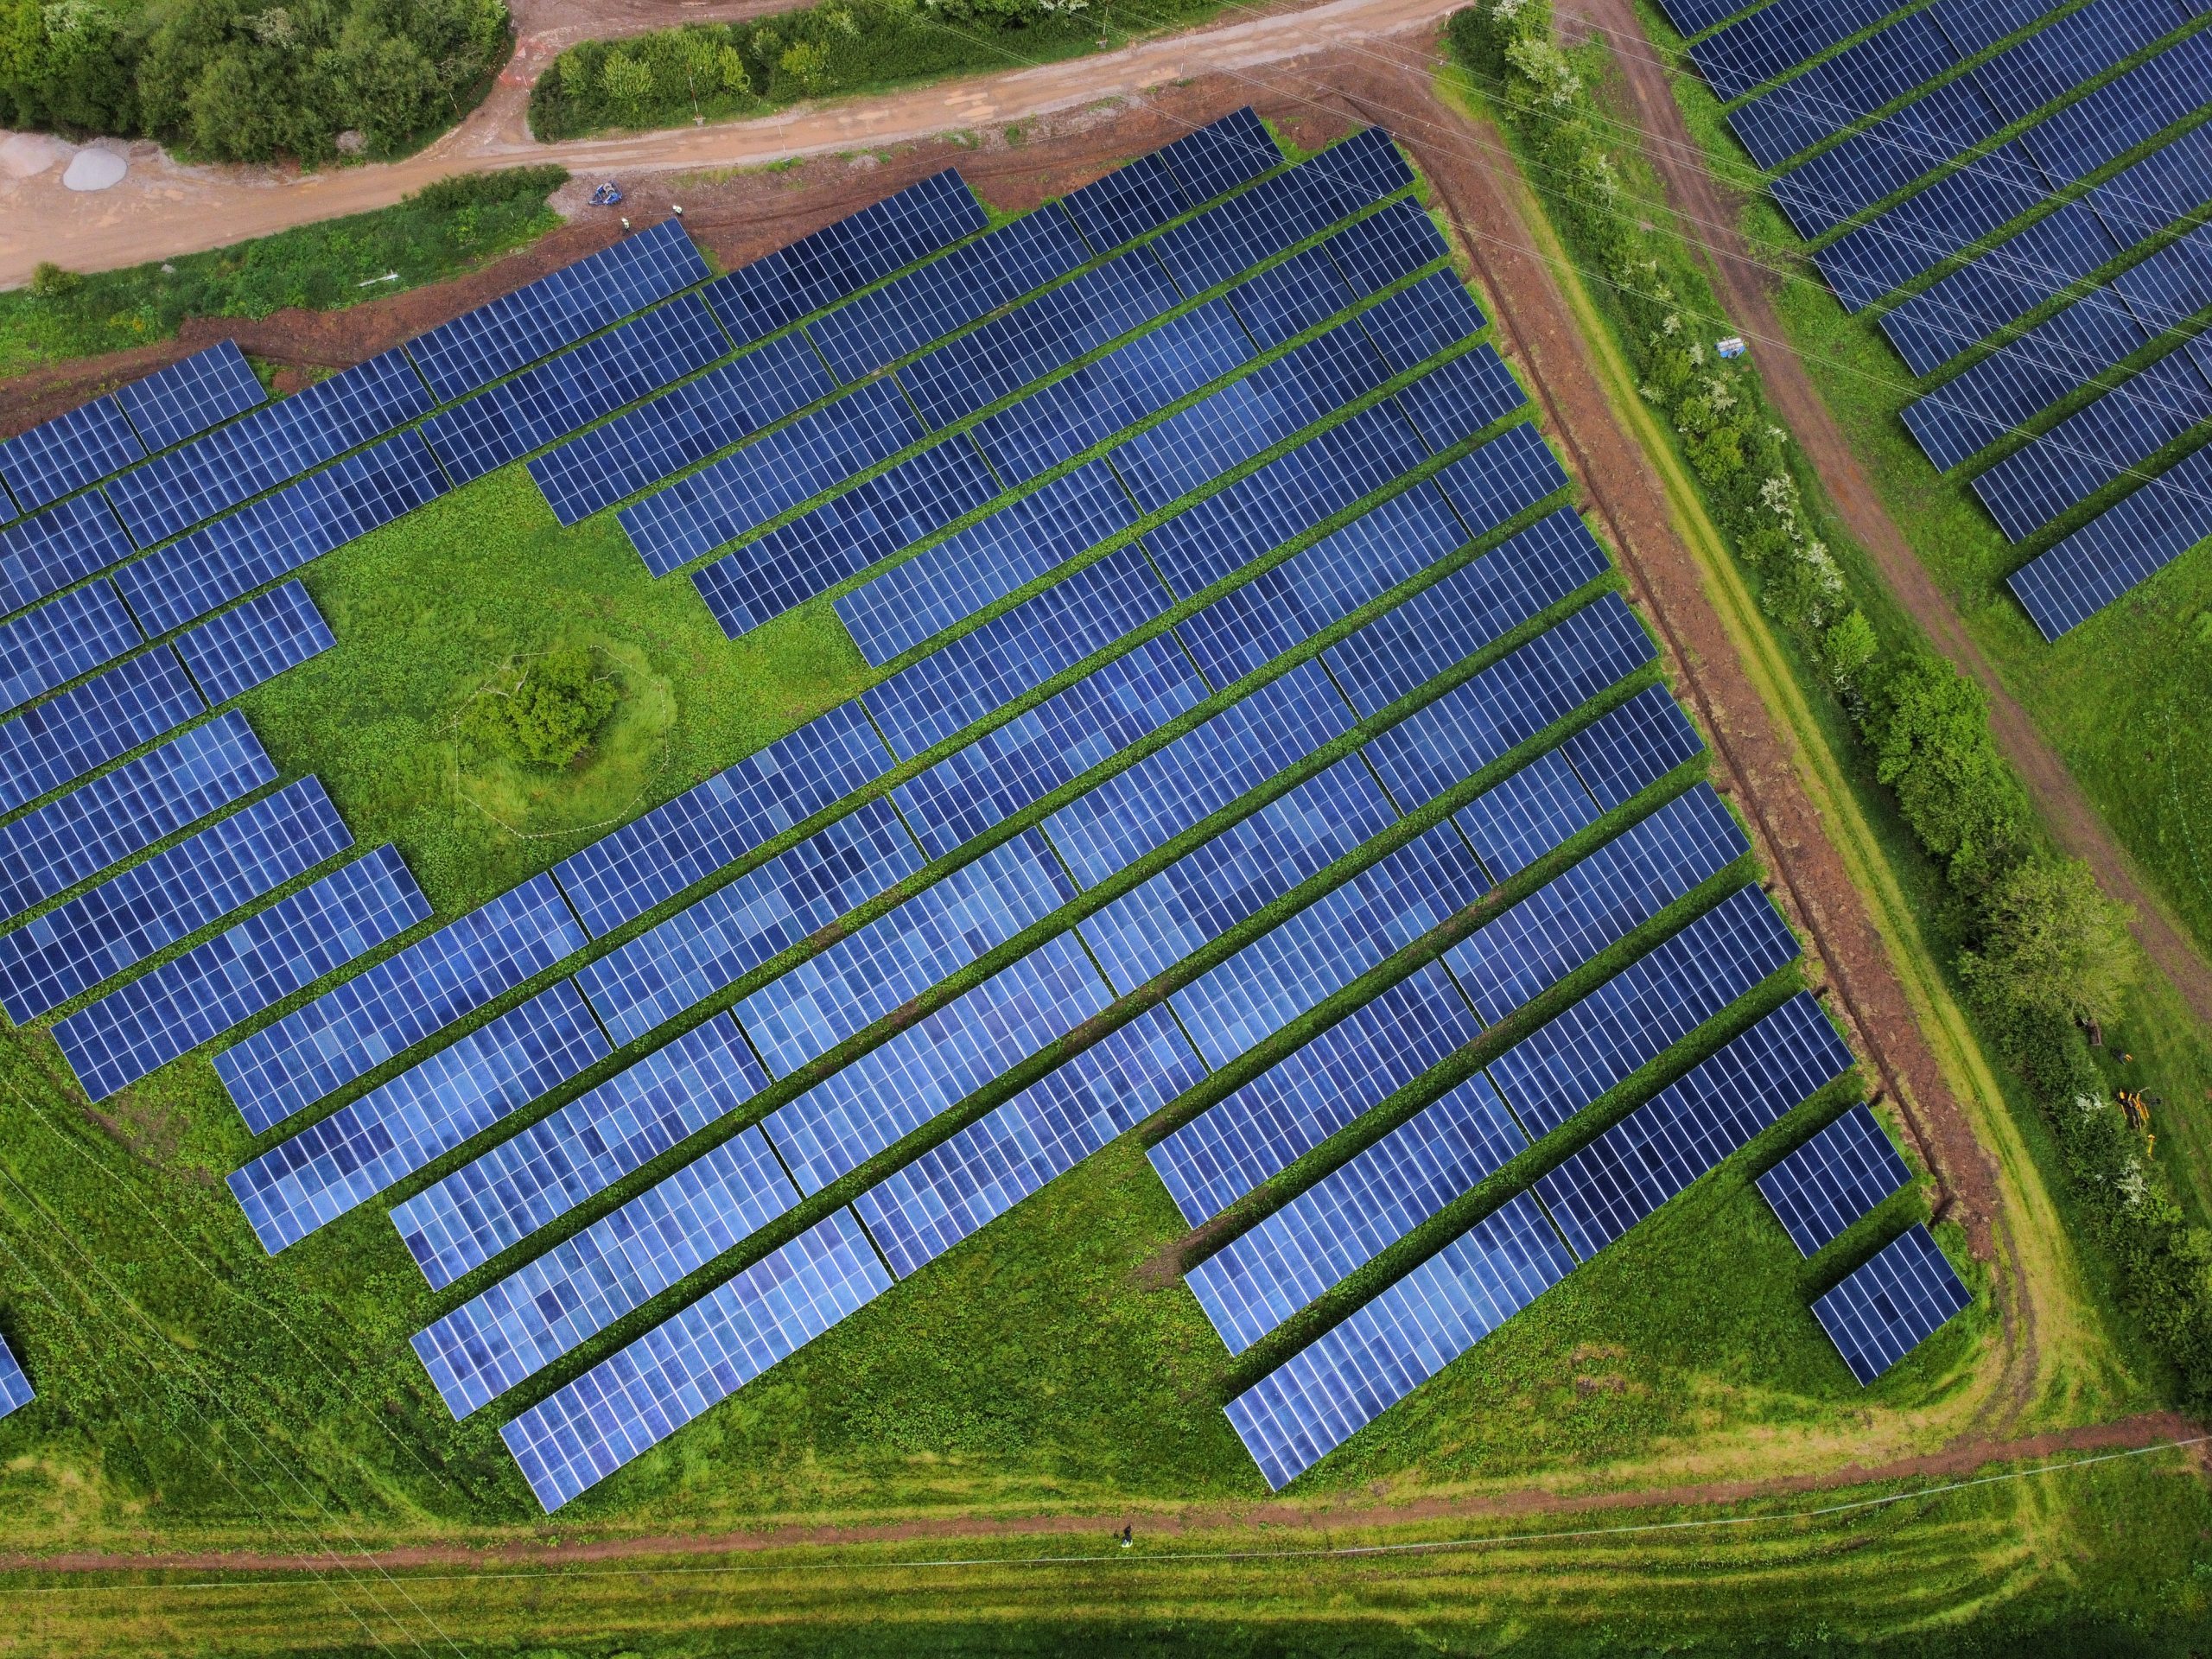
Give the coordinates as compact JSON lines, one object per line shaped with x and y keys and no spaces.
{"x":15,"y":1386}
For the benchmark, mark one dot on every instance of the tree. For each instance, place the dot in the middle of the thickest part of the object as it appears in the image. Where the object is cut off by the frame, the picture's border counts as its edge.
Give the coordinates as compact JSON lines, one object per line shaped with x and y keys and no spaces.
{"x":626,"y":82}
{"x":1929,"y":727}
{"x":550,"y":716}
{"x":2051,"y":943}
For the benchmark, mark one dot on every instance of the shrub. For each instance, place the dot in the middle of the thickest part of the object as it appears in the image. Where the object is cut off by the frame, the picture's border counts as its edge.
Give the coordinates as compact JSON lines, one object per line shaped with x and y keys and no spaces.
{"x":550,"y":715}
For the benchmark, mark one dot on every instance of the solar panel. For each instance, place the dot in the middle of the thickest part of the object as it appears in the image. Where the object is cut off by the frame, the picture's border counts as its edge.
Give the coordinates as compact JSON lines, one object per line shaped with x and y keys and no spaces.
{"x":274,"y":537}
{"x":844,"y":535}
{"x":598,"y":468}
{"x":49,"y":551}
{"x":1822,"y":1189}
{"x":1328,"y":1391}
{"x":923,"y":1208}
{"x":1689,"y":1127}
{"x":1415,"y":323}
{"x":1525,"y":816}
{"x":1882,"y":158}
{"x":840,"y":259}
{"x":61,"y":639}
{"x":1655,"y":1002}
{"x":565,"y":393}
{"x":68,"y":452}
{"x":57,"y":741}
{"x":1777,"y":38}
{"x":815,"y":1006}
{"x":1458,"y":399}
{"x":115,"y":926}
{"x":1998,"y":287}
{"x":128,"y":809}
{"x":537,"y":319}
{"x":1841,"y":90}
{"x":2030,"y":373}
{"x":1892,"y":1304}
{"x":930,"y":1067}
{"x":637,"y":1397}
{"x":2170,"y":286}
{"x":1634,"y":747}
{"x":1597,"y":902}
{"x":921,"y":597}
{"x":712,"y":944}
{"x":414,"y":1119}
{"x":1974,"y":26}
{"x":1354,"y":1213}
{"x":547,"y":1308}
{"x":353,"y":1028}
{"x":2164,"y":186}
{"x":1136,"y":197}
{"x":1284,"y":300}
{"x":2128,"y":542}
{"x":2127,"y":109}
{"x":1927,"y":228}
{"x":1011,"y":768}
{"x":624,"y":874}
{"x":1694,"y":16}
{"x":145,"y":1024}
{"x":2064,"y":52}
{"x":929,"y":701}
{"x":1386,"y":247}
{"x":14,"y":1388}
{"x":563,"y":1160}
{"x":271,"y":447}
{"x":1224,"y":154}
{"x":240,"y":649}
{"x":1315,"y":953}
{"x":191,"y":395}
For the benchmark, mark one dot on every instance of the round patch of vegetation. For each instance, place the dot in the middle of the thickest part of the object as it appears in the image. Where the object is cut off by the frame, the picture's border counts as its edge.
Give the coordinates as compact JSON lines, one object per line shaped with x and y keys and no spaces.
{"x":547,"y":717}
{"x":569,"y":739}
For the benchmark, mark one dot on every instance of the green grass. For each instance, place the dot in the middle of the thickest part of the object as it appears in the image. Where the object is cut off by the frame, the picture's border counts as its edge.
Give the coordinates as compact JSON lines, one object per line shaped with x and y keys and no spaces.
{"x":438,"y":234}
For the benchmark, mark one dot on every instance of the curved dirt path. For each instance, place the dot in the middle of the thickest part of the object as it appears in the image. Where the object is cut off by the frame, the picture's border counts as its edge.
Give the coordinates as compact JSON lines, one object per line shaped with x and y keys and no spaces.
{"x":1708,"y":210}
{"x":166,"y":207}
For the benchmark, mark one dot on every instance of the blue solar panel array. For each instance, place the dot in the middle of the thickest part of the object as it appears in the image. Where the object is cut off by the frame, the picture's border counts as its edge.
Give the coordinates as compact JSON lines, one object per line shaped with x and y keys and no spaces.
{"x":1892,"y":1304}
{"x":1836,"y":1179}
{"x":1777,"y":37}
{"x":61,"y":639}
{"x":184,"y":1002}
{"x":240,"y":649}
{"x":2128,"y":544}
{"x":173,"y":403}
{"x":15,"y":1390}
{"x":49,"y":551}
{"x":68,"y":452}
{"x":54,"y":742}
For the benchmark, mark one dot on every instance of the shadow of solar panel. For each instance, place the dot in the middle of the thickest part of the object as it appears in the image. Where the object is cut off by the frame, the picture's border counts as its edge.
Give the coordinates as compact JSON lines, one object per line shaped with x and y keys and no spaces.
{"x":241,"y":648}
{"x":2005,"y":390}
{"x":923,"y":1208}
{"x":2128,"y":542}
{"x":1998,"y":287}
{"x":1315,"y":953}
{"x":1210,"y":539}
{"x":927,"y":702}
{"x":1415,"y":324}
{"x":1326,"y":1393}
{"x":14,"y":1388}
{"x":1107,"y":828}
{"x":862,"y":977}
{"x":840,"y":259}
{"x":562,"y":1160}
{"x":272,"y":537}
{"x":734,"y":930}
{"x":48,"y":551}
{"x":928,"y":1068}
{"x":353,"y":1028}
{"x":1636,"y":1016}
{"x":1777,"y":38}
{"x":115,"y":926}
{"x":126,"y":811}
{"x":1520,"y":818}
{"x":57,"y":741}
{"x":624,"y":874}
{"x":599,"y":467}
{"x":2119,"y":115}
{"x":1688,"y":1127}
{"x":1843,"y":89}
{"x":150,"y":1022}
{"x":1013,"y":766}
{"x":1633,"y":747}
{"x":1597,"y":902}
{"x":547,"y":1308}
{"x":1892,"y":1305}
{"x":1833,"y":1181}
{"x":2095,"y":445}
{"x":1354,"y":1213}
{"x":637,"y":1397}
{"x":1238,"y":873}
{"x":968,"y":284}
{"x":1389,"y":245}
{"x":191,"y":395}
{"x":412,"y":1120}
{"x":1286,"y":606}
{"x":1125,"y":386}
{"x":976,"y":567}
{"x":537,"y":319}
{"x":1879,"y":160}
{"x":68,"y":452}
{"x":844,"y":535}
{"x":1476,"y":605}
{"x":61,"y":639}
{"x":506,"y":421}
{"x":1284,"y":301}
{"x":172,"y":493}
{"x":1923,"y":230}
{"x":2173,"y":285}
{"x":1312,"y":1093}
{"x":775,"y":472}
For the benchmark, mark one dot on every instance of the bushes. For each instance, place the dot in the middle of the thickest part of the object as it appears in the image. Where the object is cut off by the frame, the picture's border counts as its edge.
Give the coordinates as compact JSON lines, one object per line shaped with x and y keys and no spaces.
{"x":2040,"y":945}
{"x":241,"y":80}
{"x":549,"y":716}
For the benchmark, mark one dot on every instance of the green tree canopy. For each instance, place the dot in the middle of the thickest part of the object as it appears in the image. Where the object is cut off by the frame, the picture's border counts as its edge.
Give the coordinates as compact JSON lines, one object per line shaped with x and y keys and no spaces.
{"x":2052,"y":942}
